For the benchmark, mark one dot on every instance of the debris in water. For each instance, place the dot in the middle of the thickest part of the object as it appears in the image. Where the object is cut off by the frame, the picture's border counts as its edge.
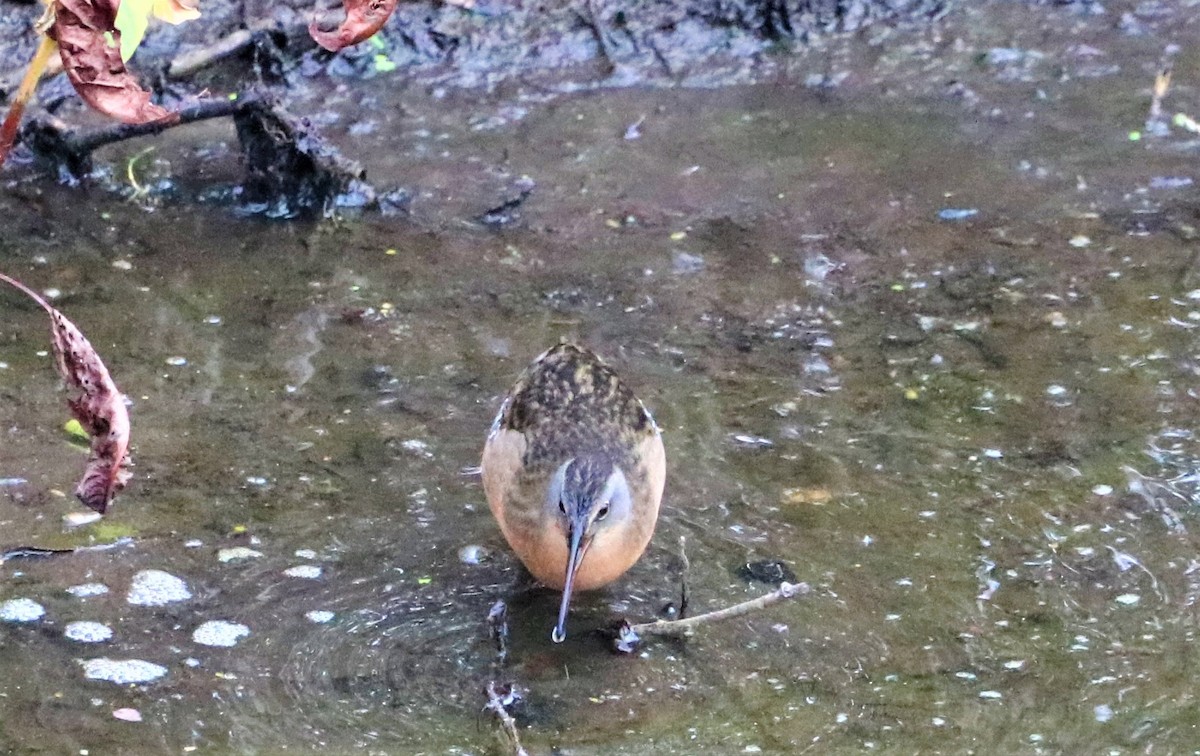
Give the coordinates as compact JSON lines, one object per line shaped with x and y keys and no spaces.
{"x":1170,"y":182}
{"x":75,"y":432}
{"x":88,"y":632}
{"x":745,"y":439}
{"x":991,"y":695}
{"x":497,"y":620}
{"x":319,"y":616}
{"x":73,"y":520}
{"x":769,"y":571}
{"x":1056,"y":319}
{"x":306,"y":571}
{"x":95,"y":402}
{"x":1128,"y":599}
{"x":128,"y":715}
{"x":220,"y":633}
{"x":1186,"y":122}
{"x":1102,"y":712}
{"x":237,"y":554}
{"x":685,"y":263}
{"x":157,"y":588}
{"x":627,"y":640}
{"x":472,"y":554}
{"x":122,"y":671}
{"x":84,"y":590}
{"x":957,"y":213}
{"x":21,"y":610}
{"x":634,"y":130}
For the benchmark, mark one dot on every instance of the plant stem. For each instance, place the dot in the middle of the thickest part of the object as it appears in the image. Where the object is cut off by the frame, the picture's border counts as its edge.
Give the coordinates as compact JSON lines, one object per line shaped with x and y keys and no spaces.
{"x":8,"y":132}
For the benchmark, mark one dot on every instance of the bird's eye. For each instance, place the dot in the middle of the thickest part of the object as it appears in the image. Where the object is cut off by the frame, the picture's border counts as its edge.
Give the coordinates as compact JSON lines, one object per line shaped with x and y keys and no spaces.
{"x":602,"y":512}
{"x":562,"y":506}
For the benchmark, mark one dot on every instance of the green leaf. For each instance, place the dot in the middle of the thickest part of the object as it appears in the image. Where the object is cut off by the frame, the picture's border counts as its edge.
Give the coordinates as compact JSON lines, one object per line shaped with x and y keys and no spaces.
{"x":383,"y":64}
{"x":74,"y":430}
{"x":133,"y":16}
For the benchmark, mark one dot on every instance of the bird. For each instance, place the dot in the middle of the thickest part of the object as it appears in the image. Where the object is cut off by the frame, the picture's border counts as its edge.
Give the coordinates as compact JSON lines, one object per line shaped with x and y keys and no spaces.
{"x":574,"y":470}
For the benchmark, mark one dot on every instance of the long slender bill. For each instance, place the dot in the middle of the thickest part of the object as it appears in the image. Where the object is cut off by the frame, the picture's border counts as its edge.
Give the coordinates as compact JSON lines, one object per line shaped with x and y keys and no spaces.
{"x":573,"y":559}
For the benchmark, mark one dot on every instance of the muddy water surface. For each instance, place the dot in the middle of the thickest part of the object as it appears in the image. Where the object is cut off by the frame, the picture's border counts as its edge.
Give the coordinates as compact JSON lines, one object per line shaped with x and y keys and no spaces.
{"x":938,"y":359}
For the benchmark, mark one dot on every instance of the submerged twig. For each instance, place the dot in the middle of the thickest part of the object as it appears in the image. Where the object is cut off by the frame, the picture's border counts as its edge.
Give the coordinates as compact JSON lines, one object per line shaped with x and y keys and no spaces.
{"x":680,"y":626}
{"x":683,"y":576}
{"x":1155,"y":123}
{"x":37,"y":552}
{"x":498,"y":628}
{"x":498,"y":699}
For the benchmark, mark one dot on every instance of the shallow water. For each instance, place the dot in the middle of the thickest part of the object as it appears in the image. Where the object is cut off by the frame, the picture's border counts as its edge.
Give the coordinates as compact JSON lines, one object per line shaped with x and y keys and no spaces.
{"x":973,"y":438}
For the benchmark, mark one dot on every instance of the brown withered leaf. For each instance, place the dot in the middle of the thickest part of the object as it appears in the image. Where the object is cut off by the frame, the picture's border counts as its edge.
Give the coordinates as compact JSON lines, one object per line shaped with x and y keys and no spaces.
{"x":95,"y":402}
{"x":90,"y":47}
{"x":363,"y":18}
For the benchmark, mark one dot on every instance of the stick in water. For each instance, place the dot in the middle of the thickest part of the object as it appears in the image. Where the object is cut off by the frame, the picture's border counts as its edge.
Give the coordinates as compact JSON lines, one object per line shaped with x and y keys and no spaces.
{"x":677,"y":627}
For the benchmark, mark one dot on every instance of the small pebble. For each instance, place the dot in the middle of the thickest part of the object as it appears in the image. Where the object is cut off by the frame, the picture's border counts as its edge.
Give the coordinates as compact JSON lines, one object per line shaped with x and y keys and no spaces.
{"x":1102,"y":490}
{"x":319,"y":616}
{"x":991,"y":695}
{"x":306,"y":571}
{"x":237,"y":553}
{"x":177,"y":361}
{"x":305,"y":554}
{"x":88,"y":632}
{"x":122,"y":671}
{"x":128,"y":715}
{"x":1128,"y":599}
{"x":122,"y":265}
{"x":220,"y":633}
{"x":1102,"y":712}
{"x":84,"y":590}
{"x":21,"y":610}
{"x":157,"y":588}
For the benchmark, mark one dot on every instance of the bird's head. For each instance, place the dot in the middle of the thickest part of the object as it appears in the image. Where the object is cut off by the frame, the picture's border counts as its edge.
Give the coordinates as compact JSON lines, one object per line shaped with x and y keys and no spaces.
{"x":587,"y":495}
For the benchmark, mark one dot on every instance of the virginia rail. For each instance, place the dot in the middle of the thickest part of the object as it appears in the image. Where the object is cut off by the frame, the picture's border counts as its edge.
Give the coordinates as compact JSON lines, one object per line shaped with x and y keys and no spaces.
{"x":574,"y":469}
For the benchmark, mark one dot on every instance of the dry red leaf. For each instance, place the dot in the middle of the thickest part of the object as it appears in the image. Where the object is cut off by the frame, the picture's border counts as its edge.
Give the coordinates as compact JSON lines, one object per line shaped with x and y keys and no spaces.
{"x":96,"y":403}
{"x":90,"y":47}
{"x":363,"y":19}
